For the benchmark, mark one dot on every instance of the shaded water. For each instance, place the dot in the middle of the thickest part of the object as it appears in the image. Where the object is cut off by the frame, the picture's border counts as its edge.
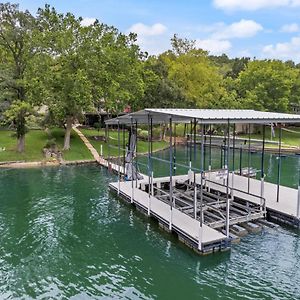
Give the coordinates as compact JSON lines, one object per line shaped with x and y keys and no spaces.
{"x":64,"y":236}
{"x":290,"y":164}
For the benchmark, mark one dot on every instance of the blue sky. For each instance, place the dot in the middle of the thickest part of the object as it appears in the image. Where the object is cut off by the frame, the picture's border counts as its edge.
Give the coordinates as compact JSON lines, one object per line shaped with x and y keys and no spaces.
{"x":255,"y":28}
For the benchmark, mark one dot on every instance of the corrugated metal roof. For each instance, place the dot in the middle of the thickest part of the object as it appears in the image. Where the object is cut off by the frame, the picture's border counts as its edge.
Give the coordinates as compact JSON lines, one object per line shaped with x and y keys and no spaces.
{"x":206,"y":116}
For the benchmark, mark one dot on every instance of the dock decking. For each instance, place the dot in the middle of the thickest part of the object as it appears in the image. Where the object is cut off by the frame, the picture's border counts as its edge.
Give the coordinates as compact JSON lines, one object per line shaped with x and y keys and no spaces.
{"x":187,"y":228}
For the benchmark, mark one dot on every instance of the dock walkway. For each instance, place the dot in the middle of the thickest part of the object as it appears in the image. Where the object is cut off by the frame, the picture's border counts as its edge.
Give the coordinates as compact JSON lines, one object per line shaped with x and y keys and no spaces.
{"x":287,"y":204}
{"x":185,"y":226}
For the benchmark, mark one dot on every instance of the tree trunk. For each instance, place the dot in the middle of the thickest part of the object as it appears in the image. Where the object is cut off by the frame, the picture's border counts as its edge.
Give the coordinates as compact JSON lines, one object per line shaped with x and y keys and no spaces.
{"x":68,"y":133}
{"x":21,"y":143}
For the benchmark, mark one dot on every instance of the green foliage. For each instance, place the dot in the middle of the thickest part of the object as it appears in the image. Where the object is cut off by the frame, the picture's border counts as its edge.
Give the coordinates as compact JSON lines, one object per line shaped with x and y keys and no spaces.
{"x":17,"y":114}
{"x":267,"y":85}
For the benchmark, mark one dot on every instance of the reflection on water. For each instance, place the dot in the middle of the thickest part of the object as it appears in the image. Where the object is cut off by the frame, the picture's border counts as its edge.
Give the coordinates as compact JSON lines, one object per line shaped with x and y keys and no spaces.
{"x":64,"y":235}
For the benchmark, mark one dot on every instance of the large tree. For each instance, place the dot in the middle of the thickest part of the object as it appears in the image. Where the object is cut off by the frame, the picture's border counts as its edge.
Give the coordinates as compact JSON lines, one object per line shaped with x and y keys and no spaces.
{"x":197,"y":77}
{"x":91,"y":65}
{"x":17,"y":52}
{"x":267,"y":85}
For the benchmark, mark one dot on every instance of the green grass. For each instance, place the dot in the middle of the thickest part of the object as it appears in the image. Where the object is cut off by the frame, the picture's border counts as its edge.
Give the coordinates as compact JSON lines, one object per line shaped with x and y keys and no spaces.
{"x":35,"y":141}
{"x":142,"y":146}
{"x":78,"y":149}
{"x":288,"y":138}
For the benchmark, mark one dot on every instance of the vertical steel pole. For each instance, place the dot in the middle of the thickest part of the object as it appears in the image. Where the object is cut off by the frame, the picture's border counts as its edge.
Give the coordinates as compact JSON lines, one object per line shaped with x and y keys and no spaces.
{"x":132,"y":153}
{"x":241,"y":158}
{"x":151,"y":154}
{"x":298,"y":201}
{"x":119,"y":157}
{"x":191,"y":132}
{"x":171,"y":176}
{"x":262,"y":174}
{"x":124,"y":150}
{"x":195,"y":145}
{"x":136,"y":154}
{"x":249,"y":153}
{"x":279,"y":163}
{"x":227,"y":181}
{"x":108,"y":148}
{"x":174,"y":154}
{"x":233,"y":162}
{"x":195,"y":166}
{"x":201,"y":191}
{"x":149,"y":167}
{"x":209,"y":163}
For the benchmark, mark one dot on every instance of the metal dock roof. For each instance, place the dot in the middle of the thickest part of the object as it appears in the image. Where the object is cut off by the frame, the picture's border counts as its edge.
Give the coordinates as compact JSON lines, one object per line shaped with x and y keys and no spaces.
{"x":205,"y":116}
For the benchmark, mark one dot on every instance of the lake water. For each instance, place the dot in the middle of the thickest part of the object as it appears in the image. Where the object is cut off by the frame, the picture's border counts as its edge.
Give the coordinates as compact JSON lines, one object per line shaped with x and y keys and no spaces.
{"x":63,"y":235}
{"x":290,"y":164}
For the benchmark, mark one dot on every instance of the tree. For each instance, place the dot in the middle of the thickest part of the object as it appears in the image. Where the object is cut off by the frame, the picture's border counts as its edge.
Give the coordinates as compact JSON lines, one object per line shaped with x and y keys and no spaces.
{"x":197,"y":78}
{"x":66,"y":80}
{"x":17,"y":50}
{"x":267,"y":85}
{"x":160,"y":90}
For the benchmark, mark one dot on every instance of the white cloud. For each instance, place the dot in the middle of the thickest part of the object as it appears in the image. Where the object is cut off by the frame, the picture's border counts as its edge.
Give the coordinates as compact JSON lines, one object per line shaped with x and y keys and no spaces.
{"x":145,"y":30}
{"x":253,"y":4}
{"x":293,"y":27}
{"x":154,"y":38}
{"x":87,"y":21}
{"x":214,"y":46}
{"x":288,"y":50}
{"x":241,"y":29}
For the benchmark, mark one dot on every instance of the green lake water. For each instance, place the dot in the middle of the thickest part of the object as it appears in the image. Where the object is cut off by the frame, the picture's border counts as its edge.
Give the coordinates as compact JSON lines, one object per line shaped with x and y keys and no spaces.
{"x":290,"y":164}
{"x":63,"y":235}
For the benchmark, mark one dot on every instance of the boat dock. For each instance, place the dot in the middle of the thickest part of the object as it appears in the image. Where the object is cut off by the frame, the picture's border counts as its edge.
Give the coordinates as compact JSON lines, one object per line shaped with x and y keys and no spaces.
{"x":207,"y":209}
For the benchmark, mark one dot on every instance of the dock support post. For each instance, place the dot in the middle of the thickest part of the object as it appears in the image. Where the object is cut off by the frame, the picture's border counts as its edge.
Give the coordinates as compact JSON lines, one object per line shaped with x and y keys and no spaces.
{"x":233,"y":162}
{"x":119,"y":157}
{"x":262,"y":175}
{"x":132,"y":154}
{"x":249,"y":155}
{"x":201,"y":190}
{"x":191,"y":131}
{"x":298,"y":202}
{"x":227,"y":181}
{"x":209,"y":163}
{"x":279,"y":163}
{"x":195,"y":183}
{"x":149,"y":167}
{"x":171,"y":175}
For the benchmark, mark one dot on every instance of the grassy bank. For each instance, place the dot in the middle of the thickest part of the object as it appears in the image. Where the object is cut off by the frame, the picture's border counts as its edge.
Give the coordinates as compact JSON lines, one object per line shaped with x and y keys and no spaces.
{"x":142,"y":146}
{"x":36,"y":141}
{"x":290,"y":136}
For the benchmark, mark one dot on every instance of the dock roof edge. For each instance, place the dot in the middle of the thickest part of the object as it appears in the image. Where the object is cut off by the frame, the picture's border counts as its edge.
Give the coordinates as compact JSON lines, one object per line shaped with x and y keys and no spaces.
{"x":204,"y":116}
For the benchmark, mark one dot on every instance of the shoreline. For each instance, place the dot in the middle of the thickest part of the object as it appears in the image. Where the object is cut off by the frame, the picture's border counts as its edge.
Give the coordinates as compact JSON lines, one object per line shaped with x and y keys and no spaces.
{"x":38,"y":164}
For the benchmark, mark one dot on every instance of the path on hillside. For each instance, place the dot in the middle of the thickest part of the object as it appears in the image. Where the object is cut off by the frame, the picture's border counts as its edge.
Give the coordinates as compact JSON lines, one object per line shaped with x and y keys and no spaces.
{"x":89,"y":145}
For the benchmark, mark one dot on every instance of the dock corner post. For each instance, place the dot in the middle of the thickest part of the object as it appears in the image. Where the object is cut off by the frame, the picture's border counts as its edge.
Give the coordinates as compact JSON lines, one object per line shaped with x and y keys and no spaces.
{"x":171,"y":176}
{"x":233,"y":162}
{"x":200,"y":237}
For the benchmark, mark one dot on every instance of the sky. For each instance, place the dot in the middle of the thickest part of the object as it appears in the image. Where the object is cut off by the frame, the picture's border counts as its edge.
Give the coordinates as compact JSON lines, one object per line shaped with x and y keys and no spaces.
{"x":252,"y":28}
